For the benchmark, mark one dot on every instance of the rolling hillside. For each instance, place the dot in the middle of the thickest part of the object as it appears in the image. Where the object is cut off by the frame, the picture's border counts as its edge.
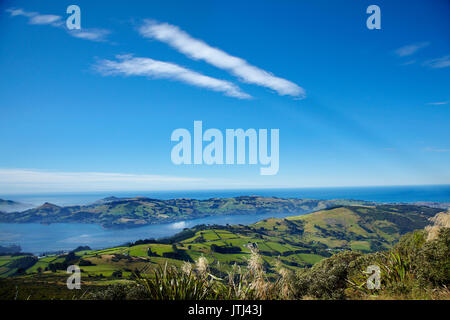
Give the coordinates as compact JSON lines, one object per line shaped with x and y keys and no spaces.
{"x":131,"y":212}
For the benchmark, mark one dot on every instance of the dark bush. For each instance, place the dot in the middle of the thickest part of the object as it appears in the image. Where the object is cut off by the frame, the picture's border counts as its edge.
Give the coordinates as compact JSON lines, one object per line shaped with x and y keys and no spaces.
{"x":327,"y":279}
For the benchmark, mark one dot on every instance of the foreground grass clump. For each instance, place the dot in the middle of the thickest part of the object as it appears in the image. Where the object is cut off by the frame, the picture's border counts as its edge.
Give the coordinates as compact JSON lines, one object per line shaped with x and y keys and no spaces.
{"x":196,"y":282}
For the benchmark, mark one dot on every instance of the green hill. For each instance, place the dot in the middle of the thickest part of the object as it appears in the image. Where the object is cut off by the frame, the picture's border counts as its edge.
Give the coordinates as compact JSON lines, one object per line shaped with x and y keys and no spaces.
{"x":131,"y":212}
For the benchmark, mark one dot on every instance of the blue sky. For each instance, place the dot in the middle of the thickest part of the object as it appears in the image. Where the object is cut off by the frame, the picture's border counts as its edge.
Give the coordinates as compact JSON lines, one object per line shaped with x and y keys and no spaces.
{"x":355,"y":107}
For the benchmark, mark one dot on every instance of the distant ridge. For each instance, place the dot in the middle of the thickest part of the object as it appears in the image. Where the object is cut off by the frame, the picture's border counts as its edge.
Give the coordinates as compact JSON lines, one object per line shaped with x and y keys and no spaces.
{"x":113,"y":212}
{"x":11,"y":206}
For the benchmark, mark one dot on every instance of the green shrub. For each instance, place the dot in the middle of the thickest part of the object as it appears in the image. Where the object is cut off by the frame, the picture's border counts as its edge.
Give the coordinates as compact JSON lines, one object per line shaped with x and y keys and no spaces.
{"x":432,"y":262}
{"x":413,"y":269}
{"x":327,"y":279}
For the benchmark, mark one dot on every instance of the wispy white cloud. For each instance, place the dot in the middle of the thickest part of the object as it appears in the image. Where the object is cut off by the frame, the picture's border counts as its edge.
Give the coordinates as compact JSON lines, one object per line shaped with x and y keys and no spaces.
{"x":438,"y":63}
{"x":46,"y":19}
{"x":407,"y":63}
{"x":29,"y":180}
{"x":432,"y":149}
{"x":37,"y":18}
{"x":440,"y":103}
{"x":20,"y":12}
{"x":410,"y":49}
{"x":90,"y":34}
{"x":134,"y":66}
{"x":199,"y":50}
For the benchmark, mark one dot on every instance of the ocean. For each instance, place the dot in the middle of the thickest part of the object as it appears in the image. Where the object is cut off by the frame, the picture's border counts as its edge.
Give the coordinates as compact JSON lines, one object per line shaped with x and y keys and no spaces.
{"x":407,"y":194}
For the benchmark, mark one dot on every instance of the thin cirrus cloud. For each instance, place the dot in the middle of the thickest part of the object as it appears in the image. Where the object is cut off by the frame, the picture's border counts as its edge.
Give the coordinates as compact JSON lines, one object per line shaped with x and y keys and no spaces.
{"x":90,"y":34}
{"x":407,"y":63}
{"x":36,"y":18}
{"x":199,"y":50}
{"x":438,"y":63}
{"x":439,"y":103}
{"x":128,"y":65}
{"x":432,"y":149}
{"x":411,"y":49}
{"x":32,"y":180}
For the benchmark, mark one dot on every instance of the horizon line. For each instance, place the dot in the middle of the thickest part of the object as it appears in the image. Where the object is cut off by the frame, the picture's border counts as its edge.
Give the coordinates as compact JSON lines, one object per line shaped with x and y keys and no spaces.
{"x":219,"y":189}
